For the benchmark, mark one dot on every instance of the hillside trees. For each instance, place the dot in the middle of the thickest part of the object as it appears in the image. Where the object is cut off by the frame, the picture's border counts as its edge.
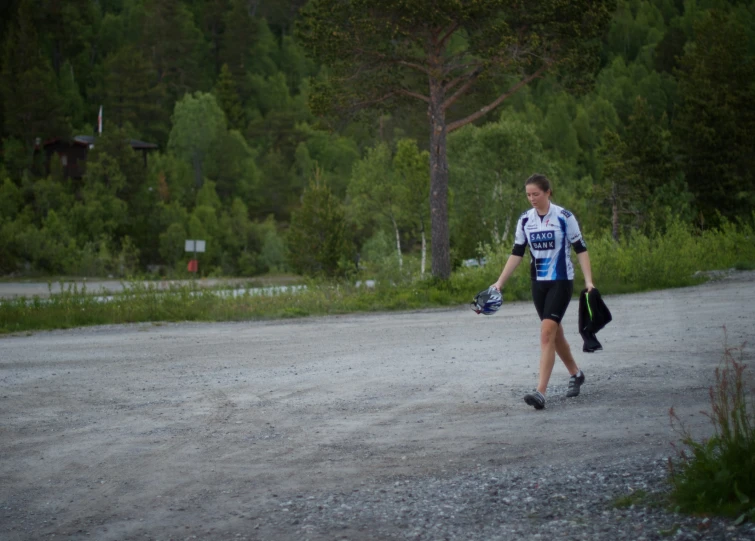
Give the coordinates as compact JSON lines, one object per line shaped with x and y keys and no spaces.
{"x":32,"y":106}
{"x":716,"y":118}
{"x":131,"y":94}
{"x":642,"y":181}
{"x":376,"y":193}
{"x":436,"y":53}
{"x":411,"y":167}
{"x":669,"y":117}
{"x":175,"y":46}
{"x":198,"y":122}
{"x":488,"y":181}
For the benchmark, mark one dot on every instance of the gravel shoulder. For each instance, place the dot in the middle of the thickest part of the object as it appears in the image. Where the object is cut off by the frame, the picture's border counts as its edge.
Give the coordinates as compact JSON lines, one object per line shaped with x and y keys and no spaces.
{"x":382,"y":426}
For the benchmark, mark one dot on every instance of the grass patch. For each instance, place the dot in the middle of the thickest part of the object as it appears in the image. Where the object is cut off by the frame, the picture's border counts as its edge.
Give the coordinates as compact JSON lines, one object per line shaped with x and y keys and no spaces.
{"x":717,"y":475}
{"x":638,"y":497}
{"x":641,"y":498}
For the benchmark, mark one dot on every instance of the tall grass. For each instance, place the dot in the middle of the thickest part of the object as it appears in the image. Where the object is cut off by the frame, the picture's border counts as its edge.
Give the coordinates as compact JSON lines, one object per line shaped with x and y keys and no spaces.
{"x":717,"y":475}
{"x":670,"y":259}
{"x":637,"y":263}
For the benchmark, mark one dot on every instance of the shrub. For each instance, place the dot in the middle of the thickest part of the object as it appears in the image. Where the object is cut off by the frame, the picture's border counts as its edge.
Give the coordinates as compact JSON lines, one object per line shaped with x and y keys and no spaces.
{"x":717,"y":475}
{"x":317,"y":239}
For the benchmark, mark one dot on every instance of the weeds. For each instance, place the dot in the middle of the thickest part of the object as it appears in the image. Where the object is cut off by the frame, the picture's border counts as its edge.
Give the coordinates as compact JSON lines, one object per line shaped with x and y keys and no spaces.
{"x":717,"y":475}
{"x":638,"y":497}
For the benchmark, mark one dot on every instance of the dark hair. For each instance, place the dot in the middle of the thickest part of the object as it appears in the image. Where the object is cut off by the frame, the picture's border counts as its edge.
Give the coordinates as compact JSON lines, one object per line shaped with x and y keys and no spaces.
{"x":541,"y":181}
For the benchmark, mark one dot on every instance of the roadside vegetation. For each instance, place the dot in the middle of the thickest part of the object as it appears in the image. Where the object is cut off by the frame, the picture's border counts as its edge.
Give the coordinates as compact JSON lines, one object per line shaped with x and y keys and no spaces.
{"x":717,"y":475}
{"x":637,"y":263}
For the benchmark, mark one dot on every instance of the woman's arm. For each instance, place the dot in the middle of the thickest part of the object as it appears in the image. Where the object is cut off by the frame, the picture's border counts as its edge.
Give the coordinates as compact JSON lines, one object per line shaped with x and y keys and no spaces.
{"x":584,"y":262}
{"x":508,"y":269}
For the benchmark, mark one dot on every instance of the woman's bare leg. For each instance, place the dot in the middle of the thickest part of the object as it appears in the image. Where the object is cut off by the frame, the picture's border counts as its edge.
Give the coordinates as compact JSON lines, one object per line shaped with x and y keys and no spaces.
{"x":564,"y":352}
{"x":548,"y":333}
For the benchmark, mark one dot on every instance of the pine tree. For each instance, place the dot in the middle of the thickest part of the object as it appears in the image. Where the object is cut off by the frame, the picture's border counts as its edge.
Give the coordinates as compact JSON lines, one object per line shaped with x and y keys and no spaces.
{"x":228,"y":99}
{"x":382,"y":53}
{"x":33,"y":109}
{"x":211,"y":15}
{"x":175,"y":46}
{"x":716,"y":118}
{"x":68,"y":26}
{"x":131,"y":96}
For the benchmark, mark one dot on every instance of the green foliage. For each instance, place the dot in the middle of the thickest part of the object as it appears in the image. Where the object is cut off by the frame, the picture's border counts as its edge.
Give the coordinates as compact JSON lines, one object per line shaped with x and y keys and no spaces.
{"x":641,"y":178}
{"x":667,"y":259}
{"x":717,"y":475}
{"x":132,"y":95}
{"x":272,"y":257}
{"x":28,"y":86}
{"x":376,"y":193}
{"x":667,"y":120}
{"x":488,"y":184}
{"x":175,"y":45}
{"x":392,"y":291}
{"x":172,"y":244}
{"x":198,"y":123}
{"x":227,"y":96}
{"x":173,"y":178}
{"x":10,"y":200}
{"x":380,"y":54}
{"x":715,"y":122}
{"x":317,"y":239}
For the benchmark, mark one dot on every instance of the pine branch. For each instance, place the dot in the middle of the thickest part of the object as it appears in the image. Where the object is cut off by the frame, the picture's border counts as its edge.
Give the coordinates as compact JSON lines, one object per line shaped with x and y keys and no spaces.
{"x":495,"y":103}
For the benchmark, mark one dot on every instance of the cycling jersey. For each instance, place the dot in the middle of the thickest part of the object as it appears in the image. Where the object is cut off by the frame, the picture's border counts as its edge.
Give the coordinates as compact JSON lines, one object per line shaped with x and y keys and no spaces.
{"x":550,"y":240}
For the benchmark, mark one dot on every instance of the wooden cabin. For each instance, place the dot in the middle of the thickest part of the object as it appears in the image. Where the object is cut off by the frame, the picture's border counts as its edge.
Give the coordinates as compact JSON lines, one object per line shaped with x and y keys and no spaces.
{"x":73,"y":153}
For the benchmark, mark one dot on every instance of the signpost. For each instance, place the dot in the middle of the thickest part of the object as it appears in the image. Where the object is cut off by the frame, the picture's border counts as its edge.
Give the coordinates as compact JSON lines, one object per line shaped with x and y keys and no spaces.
{"x":196,"y":246}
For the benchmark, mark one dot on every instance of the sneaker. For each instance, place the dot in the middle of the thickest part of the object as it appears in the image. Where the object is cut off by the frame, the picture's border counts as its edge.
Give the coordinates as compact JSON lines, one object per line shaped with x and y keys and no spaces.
{"x":535,"y":399}
{"x":574,"y":383}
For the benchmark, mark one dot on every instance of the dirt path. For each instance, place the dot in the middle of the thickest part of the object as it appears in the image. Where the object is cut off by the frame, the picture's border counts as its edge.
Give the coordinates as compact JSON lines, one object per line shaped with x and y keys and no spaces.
{"x":169,"y":431}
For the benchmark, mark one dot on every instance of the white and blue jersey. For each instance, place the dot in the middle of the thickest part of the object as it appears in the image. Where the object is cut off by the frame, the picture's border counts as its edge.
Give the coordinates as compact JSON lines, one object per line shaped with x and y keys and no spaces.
{"x":550,"y":239}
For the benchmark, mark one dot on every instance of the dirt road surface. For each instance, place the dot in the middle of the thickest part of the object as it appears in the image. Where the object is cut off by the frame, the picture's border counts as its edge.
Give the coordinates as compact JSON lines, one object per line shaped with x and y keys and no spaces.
{"x":199,"y":431}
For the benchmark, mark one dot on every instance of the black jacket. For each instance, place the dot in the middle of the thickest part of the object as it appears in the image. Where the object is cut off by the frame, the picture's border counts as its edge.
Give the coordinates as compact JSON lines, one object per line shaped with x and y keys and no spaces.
{"x":593,"y":316}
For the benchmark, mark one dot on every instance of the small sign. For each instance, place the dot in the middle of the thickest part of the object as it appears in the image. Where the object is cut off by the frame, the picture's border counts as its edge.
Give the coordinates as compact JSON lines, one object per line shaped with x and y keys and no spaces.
{"x":193,"y":265}
{"x":194,"y":246}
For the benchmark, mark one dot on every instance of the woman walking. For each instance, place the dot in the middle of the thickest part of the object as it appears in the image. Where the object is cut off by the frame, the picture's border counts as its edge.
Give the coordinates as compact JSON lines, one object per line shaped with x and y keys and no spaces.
{"x":550,"y":232}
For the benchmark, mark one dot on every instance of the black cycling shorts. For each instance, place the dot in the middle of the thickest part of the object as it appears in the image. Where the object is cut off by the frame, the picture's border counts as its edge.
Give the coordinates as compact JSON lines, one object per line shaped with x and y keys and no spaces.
{"x":551,"y":298}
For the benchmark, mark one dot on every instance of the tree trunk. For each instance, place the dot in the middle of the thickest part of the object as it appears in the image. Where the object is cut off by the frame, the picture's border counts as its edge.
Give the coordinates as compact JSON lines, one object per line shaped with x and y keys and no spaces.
{"x":507,"y":226}
{"x":424,"y":252}
{"x":197,"y":162}
{"x":615,"y":211}
{"x":398,"y":242}
{"x":440,"y":238}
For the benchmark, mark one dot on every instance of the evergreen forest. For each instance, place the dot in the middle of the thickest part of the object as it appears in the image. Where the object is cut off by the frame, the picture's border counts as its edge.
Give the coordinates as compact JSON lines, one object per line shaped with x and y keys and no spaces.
{"x":229,"y":121}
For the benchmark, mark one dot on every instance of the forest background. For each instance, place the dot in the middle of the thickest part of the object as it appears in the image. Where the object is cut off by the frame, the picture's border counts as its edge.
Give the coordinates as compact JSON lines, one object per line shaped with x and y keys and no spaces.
{"x":660,"y":146}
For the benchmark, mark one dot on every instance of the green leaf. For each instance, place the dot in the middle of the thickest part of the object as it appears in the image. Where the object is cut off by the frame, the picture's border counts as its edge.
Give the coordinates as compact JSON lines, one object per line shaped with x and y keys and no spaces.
{"x":743,"y":498}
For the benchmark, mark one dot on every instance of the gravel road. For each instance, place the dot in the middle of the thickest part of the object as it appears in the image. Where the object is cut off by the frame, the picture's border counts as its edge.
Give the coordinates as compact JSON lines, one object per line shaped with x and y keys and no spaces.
{"x":383,"y":426}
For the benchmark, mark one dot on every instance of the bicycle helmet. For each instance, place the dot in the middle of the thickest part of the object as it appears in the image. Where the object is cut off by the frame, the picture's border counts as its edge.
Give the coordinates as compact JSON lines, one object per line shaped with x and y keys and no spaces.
{"x":487,"y":301}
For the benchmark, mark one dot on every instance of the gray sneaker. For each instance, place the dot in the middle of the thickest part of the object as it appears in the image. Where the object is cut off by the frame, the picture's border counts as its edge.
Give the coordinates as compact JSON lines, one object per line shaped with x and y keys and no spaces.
{"x":535,"y":399}
{"x":574,"y":383}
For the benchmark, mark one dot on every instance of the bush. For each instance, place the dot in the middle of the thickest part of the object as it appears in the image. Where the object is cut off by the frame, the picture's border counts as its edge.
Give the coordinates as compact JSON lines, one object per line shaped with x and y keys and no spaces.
{"x":317,"y":240}
{"x":668,"y":259}
{"x":717,"y":475}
